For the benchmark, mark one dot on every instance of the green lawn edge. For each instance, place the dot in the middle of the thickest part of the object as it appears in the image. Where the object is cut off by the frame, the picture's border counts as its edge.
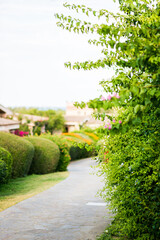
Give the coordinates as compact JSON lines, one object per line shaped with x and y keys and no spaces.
{"x":17,"y":190}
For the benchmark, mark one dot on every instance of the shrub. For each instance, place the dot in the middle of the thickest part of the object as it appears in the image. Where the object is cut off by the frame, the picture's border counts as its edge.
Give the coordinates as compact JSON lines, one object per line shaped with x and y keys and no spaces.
{"x":77,"y":153}
{"x":78,"y":136}
{"x":87,"y":135}
{"x":79,"y":150}
{"x":23,"y":130}
{"x":21,"y":150}
{"x":132,"y":180}
{"x":5,"y":165}
{"x":21,"y":133}
{"x":92,"y":136}
{"x":3,"y":172}
{"x":80,"y":147}
{"x":64,"y":150}
{"x":46,"y":156}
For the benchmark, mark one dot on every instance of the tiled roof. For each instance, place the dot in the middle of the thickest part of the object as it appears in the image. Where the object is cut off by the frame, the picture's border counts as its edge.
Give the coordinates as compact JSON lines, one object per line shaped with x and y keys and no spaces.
{"x":5,"y":110}
{"x":5,"y":122}
{"x":80,"y":119}
{"x":33,"y":118}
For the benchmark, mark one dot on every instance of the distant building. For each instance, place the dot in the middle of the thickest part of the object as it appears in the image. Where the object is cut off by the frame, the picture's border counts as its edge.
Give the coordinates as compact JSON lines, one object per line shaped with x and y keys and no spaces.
{"x":5,"y":112}
{"x":76,"y":117}
{"x":7,"y":125}
{"x":31,"y":118}
{"x":30,"y":121}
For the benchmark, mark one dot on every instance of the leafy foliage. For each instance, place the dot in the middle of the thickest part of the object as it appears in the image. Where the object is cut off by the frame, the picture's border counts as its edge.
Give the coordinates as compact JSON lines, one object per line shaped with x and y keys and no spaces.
{"x":78,"y":152}
{"x":131,"y":43}
{"x":81,"y":145}
{"x":64,"y":150}
{"x":24,"y":127}
{"x":46,"y":156}
{"x":3,"y":171}
{"x":54,"y":123}
{"x":130,"y":156}
{"x":21,"y":150}
{"x":6,"y":165}
{"x":133,"y":179}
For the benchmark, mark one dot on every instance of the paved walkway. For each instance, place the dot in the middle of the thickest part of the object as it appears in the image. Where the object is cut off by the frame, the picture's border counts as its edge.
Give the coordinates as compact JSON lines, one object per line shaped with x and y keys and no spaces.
{"x":69,"y":210}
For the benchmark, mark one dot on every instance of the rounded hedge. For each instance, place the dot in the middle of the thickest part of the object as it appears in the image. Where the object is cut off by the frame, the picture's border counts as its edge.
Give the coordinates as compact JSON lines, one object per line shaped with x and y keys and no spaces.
{"x":46,"y":156}
{"x":21,"y":150}
{"x":3,"y":172}
{"x":6,"y":162}
{"x":65,"y":158}
{"x":78,"y":150}
{"x":79,"y":147}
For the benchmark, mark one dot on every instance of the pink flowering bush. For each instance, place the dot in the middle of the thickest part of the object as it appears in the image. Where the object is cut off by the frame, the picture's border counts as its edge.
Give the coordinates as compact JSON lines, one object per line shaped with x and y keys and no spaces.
{"x":103,"y":98}
{"x":21,"y":133}
{"x":110,"y":96}
{"x":115,"y":124}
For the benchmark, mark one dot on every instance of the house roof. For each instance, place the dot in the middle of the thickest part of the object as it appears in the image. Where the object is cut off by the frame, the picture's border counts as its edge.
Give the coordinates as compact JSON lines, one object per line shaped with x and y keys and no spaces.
{"x":6,"y":122}
{"x":5,"y":110}
{"x":81,"y":119}
{"x":33,"y":118}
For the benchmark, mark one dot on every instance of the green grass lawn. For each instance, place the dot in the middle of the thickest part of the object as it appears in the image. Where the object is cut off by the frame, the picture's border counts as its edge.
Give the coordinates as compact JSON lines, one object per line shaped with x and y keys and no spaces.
{"x":22,"y":188}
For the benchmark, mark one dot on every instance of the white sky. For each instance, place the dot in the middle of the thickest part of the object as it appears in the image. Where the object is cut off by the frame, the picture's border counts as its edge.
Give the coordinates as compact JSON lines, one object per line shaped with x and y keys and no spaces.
{"x":33,"y":51}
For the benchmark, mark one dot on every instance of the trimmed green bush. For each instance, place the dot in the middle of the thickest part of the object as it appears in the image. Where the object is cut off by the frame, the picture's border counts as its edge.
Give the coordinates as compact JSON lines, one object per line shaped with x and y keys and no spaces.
{"x":79,"y":150}
{"x":75,"y":152}
{"x":3,"y":172}
{"x":21,"y":150}
{"x":64,"y":150}
{"x":46,"y":155}
{"x":79,"y":147}
{"x":6,"y":157}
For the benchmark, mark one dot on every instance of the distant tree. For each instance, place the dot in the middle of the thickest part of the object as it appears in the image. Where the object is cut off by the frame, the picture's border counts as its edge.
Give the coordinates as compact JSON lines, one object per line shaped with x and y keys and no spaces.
{"x":55,"y":123}
{"x":130,"y":42}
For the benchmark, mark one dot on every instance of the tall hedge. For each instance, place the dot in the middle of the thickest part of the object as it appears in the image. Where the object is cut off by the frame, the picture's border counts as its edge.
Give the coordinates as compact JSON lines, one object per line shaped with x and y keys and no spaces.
{"x":46,"y":155}
{"x":132,"y":171}
{"x":21,"y":150}
{"x":5,"y":165}
{"x":64,"y":150}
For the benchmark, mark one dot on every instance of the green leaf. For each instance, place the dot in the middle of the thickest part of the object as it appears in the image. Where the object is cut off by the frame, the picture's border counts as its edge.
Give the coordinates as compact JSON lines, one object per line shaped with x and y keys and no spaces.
{"x":152,"y":91}
{"x":135,"y":90}
{"x":137,"y":108}
{"x":111,"y":43}
{"x":147,"y":101}
{"x":136,"y":121}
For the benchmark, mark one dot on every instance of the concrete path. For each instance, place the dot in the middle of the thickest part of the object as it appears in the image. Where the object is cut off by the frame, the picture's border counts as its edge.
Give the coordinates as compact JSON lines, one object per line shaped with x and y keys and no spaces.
{"x":69,"y":210}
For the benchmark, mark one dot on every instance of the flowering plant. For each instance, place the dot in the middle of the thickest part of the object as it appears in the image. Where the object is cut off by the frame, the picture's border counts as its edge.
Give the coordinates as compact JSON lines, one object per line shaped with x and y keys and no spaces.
{"x":21,"y":133}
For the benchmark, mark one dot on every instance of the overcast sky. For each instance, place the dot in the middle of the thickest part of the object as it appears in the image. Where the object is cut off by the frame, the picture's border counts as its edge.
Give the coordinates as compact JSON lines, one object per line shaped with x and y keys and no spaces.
{"x":33,"y":51}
